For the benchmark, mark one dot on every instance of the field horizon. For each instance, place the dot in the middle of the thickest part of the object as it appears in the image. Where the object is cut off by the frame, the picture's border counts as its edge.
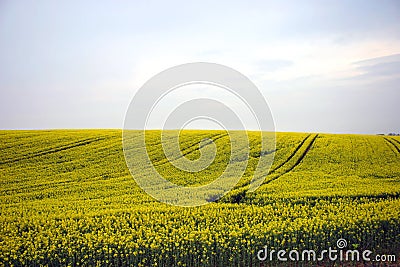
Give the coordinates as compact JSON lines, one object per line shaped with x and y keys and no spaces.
{"x":199,"y":129}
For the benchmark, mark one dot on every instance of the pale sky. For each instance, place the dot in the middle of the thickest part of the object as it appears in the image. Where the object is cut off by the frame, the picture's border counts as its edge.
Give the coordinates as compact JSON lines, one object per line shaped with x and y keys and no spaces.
{"x":323,"y":66}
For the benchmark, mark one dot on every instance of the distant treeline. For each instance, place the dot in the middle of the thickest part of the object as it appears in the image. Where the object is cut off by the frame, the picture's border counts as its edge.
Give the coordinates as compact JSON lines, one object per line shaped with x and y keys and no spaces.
{"x":390,"y":134}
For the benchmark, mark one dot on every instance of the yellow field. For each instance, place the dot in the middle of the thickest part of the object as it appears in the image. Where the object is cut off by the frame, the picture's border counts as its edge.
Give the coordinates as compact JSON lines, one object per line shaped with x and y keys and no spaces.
{"x":67,"y":199}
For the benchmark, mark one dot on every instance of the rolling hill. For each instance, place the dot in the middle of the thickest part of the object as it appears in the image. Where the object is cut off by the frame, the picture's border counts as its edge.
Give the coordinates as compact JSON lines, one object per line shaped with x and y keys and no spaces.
{"x":67,"y":198}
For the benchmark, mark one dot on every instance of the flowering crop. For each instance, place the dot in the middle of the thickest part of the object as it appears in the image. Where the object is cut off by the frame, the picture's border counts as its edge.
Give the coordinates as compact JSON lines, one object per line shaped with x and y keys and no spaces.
{"x":68,"y":199}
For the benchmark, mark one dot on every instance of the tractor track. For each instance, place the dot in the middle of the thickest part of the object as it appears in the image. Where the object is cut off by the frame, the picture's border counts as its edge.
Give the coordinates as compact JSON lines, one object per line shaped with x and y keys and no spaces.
{"x":393,"y":143}
{"x":298,"y":161}
{"x":241,"y":195}
{"x":291,"y":155}
{"x":188,"y":150}
{"x":156,"y":151}
{"x":283,"y":163}
{"x":397,"y":141}
{"x":53,"y":150}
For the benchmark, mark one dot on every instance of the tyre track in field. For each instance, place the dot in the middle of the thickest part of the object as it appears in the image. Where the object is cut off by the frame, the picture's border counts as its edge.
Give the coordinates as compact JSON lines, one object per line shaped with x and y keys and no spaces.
{"x":288,"y":159}
{"x":393,"y":143}
{"x":35,"y":187}
{"x":237,"y":198}
{"x":298,"y":161}
{"x":164,"y":160}
{"x":156,"y":151}
{"x":53,"y":150}
{"x":397,"y":141}
{"x":188,"y":150}
{"x":291,"y":155}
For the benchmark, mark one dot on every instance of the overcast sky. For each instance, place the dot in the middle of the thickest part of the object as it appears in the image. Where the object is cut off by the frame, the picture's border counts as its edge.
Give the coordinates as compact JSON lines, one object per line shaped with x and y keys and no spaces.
{"x":323,"y":66}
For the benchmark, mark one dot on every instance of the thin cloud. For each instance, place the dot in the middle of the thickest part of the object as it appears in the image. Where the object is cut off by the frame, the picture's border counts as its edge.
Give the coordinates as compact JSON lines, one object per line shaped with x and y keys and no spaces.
{"x":273,"y":65}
